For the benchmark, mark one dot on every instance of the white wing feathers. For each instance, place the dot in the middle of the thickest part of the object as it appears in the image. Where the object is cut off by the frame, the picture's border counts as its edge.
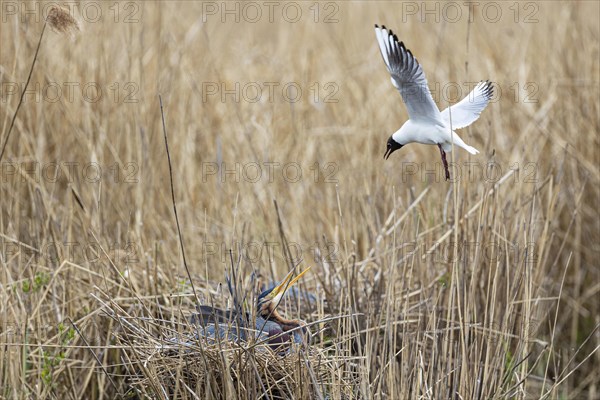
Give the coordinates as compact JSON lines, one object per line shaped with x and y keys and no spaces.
{"x":466,"y":111}
{"x":408,"y":77}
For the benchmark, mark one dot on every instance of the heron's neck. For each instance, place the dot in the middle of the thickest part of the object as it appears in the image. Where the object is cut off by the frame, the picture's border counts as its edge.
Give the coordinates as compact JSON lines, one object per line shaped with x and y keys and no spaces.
{"x":289,"y":324}
{"x":286,"y":324}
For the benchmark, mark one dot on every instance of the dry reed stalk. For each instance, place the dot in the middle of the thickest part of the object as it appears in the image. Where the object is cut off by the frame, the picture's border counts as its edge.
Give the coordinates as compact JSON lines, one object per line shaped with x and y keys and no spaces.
{"x":60,"y":21}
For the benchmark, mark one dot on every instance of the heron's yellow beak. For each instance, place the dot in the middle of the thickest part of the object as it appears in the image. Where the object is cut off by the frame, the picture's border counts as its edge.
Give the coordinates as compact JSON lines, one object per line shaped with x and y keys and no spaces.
{"x":279,"y":290}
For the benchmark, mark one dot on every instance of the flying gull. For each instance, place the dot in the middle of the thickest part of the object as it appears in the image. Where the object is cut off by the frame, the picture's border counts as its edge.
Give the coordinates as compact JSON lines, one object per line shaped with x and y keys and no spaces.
{"x":426,"y":124}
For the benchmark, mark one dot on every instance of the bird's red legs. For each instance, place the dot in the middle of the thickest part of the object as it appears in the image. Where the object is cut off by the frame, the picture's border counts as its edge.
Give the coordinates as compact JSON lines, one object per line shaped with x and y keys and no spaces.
{"x":443,"y":153}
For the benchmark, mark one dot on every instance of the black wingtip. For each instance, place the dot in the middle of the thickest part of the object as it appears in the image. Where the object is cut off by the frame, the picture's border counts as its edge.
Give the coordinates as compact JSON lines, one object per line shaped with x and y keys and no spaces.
{"x":400,"y":44}
{"x":488,"y":89}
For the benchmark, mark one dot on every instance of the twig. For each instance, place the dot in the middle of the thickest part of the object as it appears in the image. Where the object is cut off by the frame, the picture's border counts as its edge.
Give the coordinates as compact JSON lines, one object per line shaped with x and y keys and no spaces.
{"x":14,"y":118}
{"x":287,"y":253}
{"x":95,"y":356}
{"x":187,"y":270}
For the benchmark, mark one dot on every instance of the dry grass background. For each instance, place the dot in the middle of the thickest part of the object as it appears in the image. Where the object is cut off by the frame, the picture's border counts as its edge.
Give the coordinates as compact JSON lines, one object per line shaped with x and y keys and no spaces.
{"x":512,"y":312}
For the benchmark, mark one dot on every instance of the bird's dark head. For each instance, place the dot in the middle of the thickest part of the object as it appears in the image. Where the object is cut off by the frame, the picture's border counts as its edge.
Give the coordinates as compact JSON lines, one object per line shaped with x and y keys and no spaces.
{"x":392,"y":146}
{"x":270,"y":298}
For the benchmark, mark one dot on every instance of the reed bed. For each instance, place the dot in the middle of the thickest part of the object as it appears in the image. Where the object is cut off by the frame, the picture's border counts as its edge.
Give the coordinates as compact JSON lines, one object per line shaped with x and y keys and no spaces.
{"x":485,"y":287}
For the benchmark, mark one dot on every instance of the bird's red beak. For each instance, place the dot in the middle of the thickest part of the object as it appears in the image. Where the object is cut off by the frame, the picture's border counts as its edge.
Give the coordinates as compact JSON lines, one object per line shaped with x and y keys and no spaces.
{"x":387,"y":153}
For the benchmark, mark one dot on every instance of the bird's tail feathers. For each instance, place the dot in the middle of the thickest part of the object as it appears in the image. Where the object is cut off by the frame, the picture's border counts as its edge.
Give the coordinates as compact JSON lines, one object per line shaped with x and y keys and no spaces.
{"x":459,"y":143}
{"x":471,"y":149}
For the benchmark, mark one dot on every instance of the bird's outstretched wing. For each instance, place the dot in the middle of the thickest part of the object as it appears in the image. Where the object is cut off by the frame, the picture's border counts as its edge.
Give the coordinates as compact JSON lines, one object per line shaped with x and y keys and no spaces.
{"x":466,"y":111}
{"x":407,"y":76}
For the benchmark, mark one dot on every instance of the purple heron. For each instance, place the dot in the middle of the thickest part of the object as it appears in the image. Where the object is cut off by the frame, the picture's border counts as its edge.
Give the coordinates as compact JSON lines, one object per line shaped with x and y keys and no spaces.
{"x":269,"y":326}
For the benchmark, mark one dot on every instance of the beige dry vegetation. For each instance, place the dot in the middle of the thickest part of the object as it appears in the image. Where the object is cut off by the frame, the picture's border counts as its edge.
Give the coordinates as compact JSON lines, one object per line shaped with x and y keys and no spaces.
{"x":92,"y":286}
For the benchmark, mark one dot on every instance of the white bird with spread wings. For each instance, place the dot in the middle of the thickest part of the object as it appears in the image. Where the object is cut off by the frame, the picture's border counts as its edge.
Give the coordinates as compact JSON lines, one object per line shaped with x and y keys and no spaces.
{"x":426,"y":124}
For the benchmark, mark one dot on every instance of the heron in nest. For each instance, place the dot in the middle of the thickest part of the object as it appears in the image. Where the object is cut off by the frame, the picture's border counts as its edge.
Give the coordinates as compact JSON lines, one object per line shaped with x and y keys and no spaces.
{"x":270,"y":326}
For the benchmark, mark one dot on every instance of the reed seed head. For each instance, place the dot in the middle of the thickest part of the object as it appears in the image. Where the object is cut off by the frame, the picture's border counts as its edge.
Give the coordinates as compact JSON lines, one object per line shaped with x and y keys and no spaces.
{"x":61,"y":21}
